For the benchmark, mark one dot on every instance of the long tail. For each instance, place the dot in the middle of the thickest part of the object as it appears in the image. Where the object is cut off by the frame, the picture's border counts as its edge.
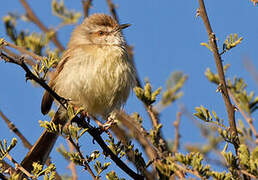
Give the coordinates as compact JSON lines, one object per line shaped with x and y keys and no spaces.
{"x":44,"y":145}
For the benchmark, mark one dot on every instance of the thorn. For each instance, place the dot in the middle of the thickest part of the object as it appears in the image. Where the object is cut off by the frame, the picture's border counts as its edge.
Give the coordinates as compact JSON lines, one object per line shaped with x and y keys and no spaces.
{"x":219,"y":88}
{"x":198,"y":13}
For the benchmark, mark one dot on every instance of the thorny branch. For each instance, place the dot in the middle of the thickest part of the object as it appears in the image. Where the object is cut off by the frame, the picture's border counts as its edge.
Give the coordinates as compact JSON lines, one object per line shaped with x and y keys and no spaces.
{"x":223,"y":86}
{"x":94,"y":132}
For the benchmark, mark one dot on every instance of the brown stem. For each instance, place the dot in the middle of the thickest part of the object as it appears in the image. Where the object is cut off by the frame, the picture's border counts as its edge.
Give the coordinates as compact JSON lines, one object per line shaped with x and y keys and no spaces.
{"x":13,"y":128}
{"x":18,"y":166}
{"x":86,"y":7}
{"x":23,"y":50}
{"x":32,"y":16}
{"x":112,"y":9}
{"x":177,"y":135}
{"x":218,"y":62}
{"x":71,"y":165}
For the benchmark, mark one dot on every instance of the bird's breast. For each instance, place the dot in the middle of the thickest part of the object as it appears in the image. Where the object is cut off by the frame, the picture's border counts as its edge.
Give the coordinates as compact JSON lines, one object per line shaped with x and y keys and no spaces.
{"x":99,"y":79}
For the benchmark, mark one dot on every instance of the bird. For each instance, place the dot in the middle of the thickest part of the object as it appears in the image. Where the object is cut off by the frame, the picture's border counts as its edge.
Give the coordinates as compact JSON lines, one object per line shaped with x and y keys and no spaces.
{"x":94,"y":73}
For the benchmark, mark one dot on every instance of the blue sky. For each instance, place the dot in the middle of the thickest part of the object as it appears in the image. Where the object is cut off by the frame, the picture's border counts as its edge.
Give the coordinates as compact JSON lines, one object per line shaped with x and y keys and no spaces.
{"x":166,"y":37}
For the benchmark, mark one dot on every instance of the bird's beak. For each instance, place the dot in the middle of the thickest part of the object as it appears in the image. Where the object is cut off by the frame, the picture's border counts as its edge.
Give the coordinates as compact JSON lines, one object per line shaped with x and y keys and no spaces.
{"x":120,"y":27}
{"x":123,"y":26}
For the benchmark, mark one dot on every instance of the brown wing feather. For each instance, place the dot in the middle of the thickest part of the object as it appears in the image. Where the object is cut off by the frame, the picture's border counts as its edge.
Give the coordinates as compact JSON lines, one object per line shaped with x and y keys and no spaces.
{"x":46,"y":103}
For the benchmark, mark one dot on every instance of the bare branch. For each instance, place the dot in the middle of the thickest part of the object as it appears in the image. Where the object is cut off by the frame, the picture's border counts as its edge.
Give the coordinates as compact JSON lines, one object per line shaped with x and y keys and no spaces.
{"x":250,"y":67}
{"x":177,"y":135}
{"x":13,"y":128}
{"x":17,"y":165}
{"x":86,"y":7}
{"x":71,"y":165}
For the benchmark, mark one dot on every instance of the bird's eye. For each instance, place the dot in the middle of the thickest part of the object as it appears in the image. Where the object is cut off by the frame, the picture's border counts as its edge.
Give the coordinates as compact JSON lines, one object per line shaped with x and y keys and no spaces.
{"x":101,"y":33}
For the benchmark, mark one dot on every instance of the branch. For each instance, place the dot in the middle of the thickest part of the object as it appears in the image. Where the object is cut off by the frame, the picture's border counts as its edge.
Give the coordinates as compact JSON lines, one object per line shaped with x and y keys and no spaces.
{"x":86,"y":7}
{"x":71,"y":165}
{"x":94,"y":132}
{"x":250,"y":67}
{"x":14,"y":129}
{"x":22,"y":50}
{"x":112,"y":9}
{"x":177,"y":135}
{"x":223,"y":86}
{"x":17,"y":165}
{"x":32,"y":16}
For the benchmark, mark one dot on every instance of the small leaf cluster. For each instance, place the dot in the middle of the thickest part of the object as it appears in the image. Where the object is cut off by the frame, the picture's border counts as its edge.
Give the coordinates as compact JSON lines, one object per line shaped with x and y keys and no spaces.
{"x":173,"y":87}
{"x":67,"y":16}
{"x":247,"y":102}
{"x":49,"y":172}
{"x":42,"y":68}
{"x":146,"y":95}
{"x":231,"y":41}
{"x":113,"y":176}
{"x":154,"y":133}
{"x":117,"y":148}
{"x":248,"y":162}
{"x":71,"y":156}
{"x":4,"y":149}
{"x":99,"y":168}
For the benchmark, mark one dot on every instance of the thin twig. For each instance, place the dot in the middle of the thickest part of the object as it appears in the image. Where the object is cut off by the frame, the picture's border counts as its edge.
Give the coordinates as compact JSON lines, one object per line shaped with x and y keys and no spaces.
{"x":177,"y":135}
{"x":86,"y":165}
{"x":7,"y":167}
{"x":71,"y":165}
{"x":32,"y":16}
{"x":218,"y":62}
{"x":86,"y":7}
{"x":17,"y":165}
{"x":112,"y":9}
{"x":26,"y":60}
{"x":250,"y":67}
{"x":248,"y":174}
{"x":246,"y":117}
{"x":184,"y":169}
{"x":13,"y":128}
{"x":23,"y":50}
